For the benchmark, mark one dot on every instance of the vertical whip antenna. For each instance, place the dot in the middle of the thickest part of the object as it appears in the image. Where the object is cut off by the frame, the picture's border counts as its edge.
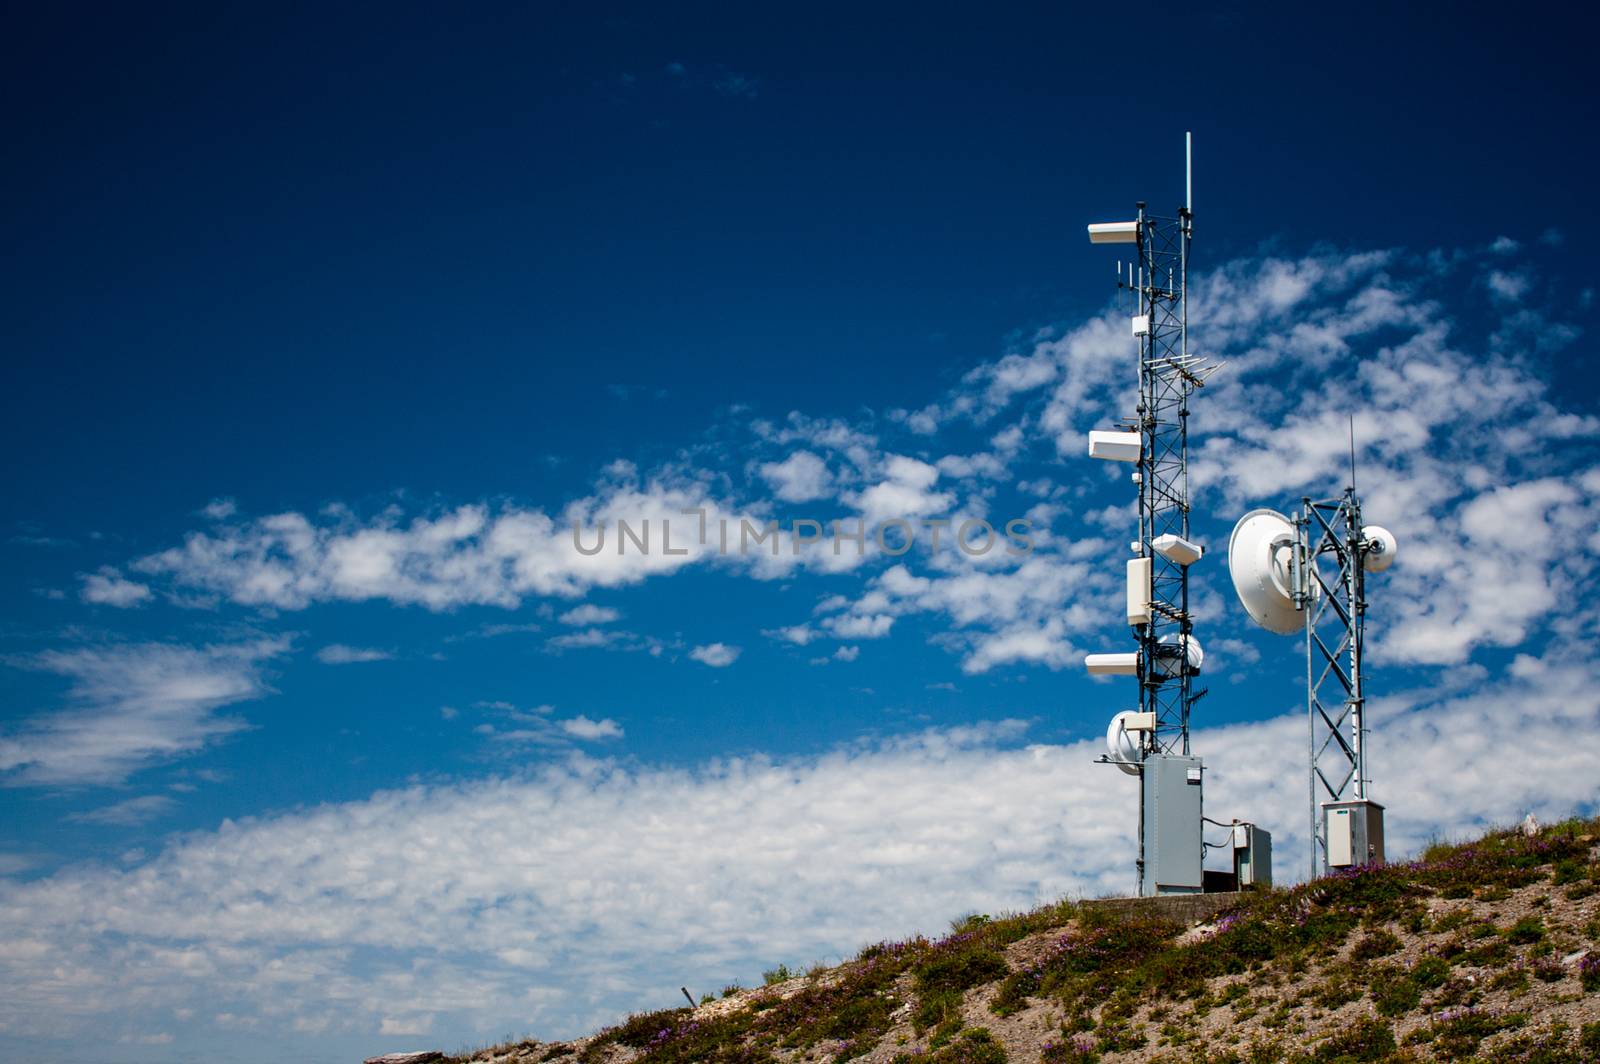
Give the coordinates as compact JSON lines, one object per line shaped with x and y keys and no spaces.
{"x":1352,"y":452}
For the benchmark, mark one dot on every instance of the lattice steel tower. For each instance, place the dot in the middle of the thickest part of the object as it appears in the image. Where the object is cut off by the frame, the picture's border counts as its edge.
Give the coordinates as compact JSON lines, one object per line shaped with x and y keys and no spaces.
{"x":1168,"y":375}
{"x":1156,"y":439}
{"x":1307,"y":574}
{"x":1330,"y":532}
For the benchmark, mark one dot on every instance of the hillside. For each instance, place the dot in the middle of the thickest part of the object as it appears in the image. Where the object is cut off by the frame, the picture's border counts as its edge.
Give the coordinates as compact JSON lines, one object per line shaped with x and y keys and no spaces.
{"x":1486,"y":951}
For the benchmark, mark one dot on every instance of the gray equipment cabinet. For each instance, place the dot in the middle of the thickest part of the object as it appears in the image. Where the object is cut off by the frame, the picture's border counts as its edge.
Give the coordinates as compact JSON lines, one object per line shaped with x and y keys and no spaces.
{"x":1354,"y":831}
{"x":1173,"y":844}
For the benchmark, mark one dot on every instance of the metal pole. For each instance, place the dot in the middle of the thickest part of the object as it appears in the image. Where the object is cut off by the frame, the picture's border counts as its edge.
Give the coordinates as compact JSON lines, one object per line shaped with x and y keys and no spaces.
{"x":1183,"y":443}
{"x":1303,"y":587}
{"x":1188,"y":229}
{"x":1355,"y":591}
{"x":1188,"y":172}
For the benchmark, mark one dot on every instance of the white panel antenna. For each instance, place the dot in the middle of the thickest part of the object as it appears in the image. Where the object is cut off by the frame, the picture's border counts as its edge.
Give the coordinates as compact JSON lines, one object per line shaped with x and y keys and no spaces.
{"x":1177,"y":550}
{"x":1112,"y":664}
{"x":1114,"y":232}
{"x":1114,"y":446}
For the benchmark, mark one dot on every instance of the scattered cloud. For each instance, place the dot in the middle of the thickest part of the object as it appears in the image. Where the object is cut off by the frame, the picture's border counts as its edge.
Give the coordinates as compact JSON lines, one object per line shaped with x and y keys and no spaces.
{"x":588,"y":638}
{"x":490,"y":631}
{"x":716,"y":655}
{"x":801,"y":477}
{"x":588,"y":614}
{"x":31,"y":540}
{"x":1508,"y":287}
{"x":798,"y":634}
{"x":466,"y":556}
{"x":128,"y":813}
{"x":539,"y":726}
{"x":339,"y":654}
{"x":108,"y":587}
{"x":287,"y":918}
{"x":130,"y":706}
{"x":581,"y":727}
{"x":1444,"y":418}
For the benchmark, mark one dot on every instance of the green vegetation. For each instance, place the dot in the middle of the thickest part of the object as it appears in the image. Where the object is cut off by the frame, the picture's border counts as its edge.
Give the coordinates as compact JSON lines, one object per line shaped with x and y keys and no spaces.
{"x":1526,"y":931}
{"x":1365,"y":1040}
{"x":1379,"y":943}
{"x":976,"y":1046}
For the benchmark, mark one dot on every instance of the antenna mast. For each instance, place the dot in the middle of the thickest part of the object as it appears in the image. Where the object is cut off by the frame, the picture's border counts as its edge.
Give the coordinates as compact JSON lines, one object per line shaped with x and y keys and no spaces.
{"x":1168,"y":375}
{"x":1156,"y":438}
{"x":1309,"y":573}
{"x":1335,"y":605}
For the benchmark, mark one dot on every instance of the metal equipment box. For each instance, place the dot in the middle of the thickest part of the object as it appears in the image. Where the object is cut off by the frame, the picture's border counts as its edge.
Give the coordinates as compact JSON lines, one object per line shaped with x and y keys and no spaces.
{"x":1252,"y":856}
{"x":1353,"y":834}
{"x":1174,"y":855}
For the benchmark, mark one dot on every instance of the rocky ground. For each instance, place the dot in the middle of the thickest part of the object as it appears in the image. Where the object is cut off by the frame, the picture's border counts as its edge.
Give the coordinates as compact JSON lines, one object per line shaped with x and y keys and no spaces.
{"x":1488,"y":951}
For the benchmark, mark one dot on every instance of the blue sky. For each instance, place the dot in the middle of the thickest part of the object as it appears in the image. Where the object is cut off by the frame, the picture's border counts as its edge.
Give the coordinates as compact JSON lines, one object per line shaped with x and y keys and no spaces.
{"x":316,"y":735}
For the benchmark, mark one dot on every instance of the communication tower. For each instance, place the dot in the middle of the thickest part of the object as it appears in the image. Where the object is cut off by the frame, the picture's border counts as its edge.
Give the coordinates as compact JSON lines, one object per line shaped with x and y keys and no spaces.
{"x":1152,"y":742}
{"x":1308,"y":573}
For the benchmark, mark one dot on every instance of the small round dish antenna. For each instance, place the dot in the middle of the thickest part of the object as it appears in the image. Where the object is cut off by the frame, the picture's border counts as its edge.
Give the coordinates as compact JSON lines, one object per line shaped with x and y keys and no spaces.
{"x":1168,"y":654}
{"x":1379,"y":547}
{"x":1259,"y":554}
{"x":1121,"y":744}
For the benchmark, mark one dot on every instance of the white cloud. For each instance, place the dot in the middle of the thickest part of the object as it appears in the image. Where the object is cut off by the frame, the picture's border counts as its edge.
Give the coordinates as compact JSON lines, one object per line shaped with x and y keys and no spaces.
{"x":1444,"y":416}
{"x":581,"y":727}
{"x":798,"y":634}
{"x":1508,"y":287}
{"x":449,"y":901}
{"x":588,"y":614}
{"x":131,"y":706}
{"x":904,"y":492}
{"x":538,"y":726}
{"x":465,"y":556}
{"x":129,"y":812}
{"x":799,"y":478}
{"x":108,"y":587}
{"x":716,"y":655}
{"x":859,"y":626}
{"x":220,"y":509}
{"x":339,"y":654}
{"x":589,"y":638}
{"x":847,"y":653}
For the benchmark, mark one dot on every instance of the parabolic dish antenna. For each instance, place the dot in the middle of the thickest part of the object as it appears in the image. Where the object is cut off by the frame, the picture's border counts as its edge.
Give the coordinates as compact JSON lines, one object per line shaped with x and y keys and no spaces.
{"x":1121,"y":745}
{"x":1380,"y":550}
{"x":1259,"y":553}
